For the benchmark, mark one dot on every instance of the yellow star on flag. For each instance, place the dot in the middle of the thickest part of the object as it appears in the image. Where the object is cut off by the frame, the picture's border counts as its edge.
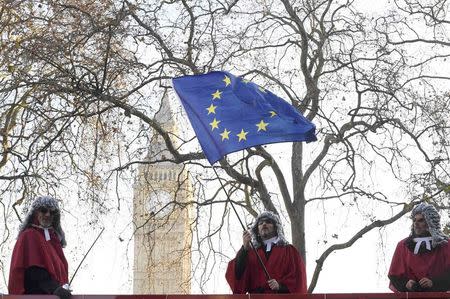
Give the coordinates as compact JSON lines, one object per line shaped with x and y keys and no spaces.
{"x":214,"y":124}
{"x":262,"y":125}
{"x":262,"y":89}
{"x":211,"y":109}
{"x":242,"y":135}
{"x":272,"y":113}
{"x":216,"y":95}
{"x":227,"y":80}
{"x":225,"y":134}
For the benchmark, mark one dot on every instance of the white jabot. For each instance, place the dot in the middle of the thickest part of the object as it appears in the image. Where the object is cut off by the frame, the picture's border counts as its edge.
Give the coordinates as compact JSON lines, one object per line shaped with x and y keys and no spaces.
{"x":46,"y":232}
{"x":419,"y":241}
{"x":269,"y":243}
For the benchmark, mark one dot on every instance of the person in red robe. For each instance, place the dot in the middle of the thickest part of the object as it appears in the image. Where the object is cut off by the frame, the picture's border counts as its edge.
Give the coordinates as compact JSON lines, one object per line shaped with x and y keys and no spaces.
{"x":38,"y":264}
{"x":284,"y":264}
{"x":421,"y":262}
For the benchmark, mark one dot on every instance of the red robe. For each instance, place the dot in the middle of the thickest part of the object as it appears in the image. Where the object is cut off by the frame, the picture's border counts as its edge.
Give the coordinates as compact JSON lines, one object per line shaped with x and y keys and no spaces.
{"x":284,"y":264}
{"x":431,"y":264}
{"x":32,"y":249}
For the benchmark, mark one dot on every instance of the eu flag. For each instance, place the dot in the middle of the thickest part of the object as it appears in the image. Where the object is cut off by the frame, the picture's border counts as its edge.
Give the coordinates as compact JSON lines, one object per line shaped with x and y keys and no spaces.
{"x":229,"y":113}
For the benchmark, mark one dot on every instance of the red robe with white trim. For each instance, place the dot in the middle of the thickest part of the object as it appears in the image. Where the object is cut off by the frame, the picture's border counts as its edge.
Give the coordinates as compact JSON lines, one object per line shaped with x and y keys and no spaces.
{"x":431,"y":264}
{"x":32,"y":249}
{"x":284,"y":264}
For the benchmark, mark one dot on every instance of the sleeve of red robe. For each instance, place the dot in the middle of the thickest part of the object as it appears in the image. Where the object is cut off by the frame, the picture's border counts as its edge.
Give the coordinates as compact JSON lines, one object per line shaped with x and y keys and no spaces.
{"x":397,"y":270}
{"x":441,"y":283}
{"x":238,"y":286}
{"x":295,"y":279}
{"x":25,"y":254}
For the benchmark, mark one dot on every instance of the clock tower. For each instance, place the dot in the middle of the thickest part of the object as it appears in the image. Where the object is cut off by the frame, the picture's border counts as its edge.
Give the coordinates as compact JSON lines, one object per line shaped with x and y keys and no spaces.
{"x":161,"y":218}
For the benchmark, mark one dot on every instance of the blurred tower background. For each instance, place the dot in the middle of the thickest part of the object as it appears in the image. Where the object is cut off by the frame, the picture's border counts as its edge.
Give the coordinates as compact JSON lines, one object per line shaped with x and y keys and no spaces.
{"x":162,"y":239}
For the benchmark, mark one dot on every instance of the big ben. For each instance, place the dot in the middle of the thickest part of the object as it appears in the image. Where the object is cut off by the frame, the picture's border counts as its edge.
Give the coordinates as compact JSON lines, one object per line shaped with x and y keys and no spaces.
{"x":161,"y":217}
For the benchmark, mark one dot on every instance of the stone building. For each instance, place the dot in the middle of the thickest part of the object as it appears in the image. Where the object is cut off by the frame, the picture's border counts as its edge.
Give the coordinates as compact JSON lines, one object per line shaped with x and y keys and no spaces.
{"x":162,"y":238}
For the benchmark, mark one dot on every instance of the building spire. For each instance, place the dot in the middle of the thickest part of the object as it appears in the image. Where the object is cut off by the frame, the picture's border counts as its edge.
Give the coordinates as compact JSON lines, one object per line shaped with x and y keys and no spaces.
{"x":165,"y":117}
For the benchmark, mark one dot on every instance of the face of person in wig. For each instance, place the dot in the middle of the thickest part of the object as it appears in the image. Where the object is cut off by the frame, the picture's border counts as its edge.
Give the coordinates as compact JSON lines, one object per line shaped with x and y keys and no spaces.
{"x":420,"y":225}
{"x":266,"y":228}
{"x":45,"y":216}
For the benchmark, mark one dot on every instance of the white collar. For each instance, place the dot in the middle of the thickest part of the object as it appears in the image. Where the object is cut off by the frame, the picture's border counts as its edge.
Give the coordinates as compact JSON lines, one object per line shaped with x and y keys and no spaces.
{"x":419,"y":241}
{"x":269,"y":242}
{"x":46,"y":232}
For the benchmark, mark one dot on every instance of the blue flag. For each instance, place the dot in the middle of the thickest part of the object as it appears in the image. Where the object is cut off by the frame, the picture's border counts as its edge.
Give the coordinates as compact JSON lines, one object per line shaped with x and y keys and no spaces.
{"x":229,"y":113}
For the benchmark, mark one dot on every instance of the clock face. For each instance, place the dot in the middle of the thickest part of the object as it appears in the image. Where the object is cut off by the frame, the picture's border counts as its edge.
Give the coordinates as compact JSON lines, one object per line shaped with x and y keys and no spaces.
{"x":159,"y":203}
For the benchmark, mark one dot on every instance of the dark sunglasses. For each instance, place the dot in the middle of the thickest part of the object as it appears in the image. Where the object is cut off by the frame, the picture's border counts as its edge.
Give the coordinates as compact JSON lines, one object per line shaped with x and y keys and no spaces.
{"x":420,"y":220}
{"x":266,"y":220}
{"x":46,"y":210}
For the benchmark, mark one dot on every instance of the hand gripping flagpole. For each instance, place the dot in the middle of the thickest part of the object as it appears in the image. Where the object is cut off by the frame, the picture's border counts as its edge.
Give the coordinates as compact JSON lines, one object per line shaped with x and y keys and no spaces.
{"x":242,"y":224}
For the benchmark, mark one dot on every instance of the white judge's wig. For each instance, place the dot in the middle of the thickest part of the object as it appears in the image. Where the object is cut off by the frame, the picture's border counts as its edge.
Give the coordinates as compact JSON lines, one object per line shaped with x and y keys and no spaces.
{"x":433,"y":220}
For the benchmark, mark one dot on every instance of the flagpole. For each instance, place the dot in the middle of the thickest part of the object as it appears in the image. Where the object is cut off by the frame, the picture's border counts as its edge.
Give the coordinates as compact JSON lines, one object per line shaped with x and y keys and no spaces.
{"x":242,"y":224}
{"x":85,"y":255}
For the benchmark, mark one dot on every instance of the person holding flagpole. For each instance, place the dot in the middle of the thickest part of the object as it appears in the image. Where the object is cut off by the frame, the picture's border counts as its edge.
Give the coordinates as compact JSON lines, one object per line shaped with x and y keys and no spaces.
{"x":230,"y":113}
{"x":282,"y":261}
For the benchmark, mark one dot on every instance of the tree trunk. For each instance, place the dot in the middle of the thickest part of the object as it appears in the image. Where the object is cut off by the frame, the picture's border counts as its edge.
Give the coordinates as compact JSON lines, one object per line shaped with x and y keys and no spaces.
{"x":297,"y":213}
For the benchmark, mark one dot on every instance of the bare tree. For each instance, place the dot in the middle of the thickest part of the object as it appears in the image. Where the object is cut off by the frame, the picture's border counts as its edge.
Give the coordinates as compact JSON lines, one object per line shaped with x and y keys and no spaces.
{"x":81,"y":82}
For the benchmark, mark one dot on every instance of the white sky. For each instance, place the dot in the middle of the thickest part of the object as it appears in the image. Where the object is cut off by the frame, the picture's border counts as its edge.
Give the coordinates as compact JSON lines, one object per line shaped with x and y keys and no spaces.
{"x":107,"y":270}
